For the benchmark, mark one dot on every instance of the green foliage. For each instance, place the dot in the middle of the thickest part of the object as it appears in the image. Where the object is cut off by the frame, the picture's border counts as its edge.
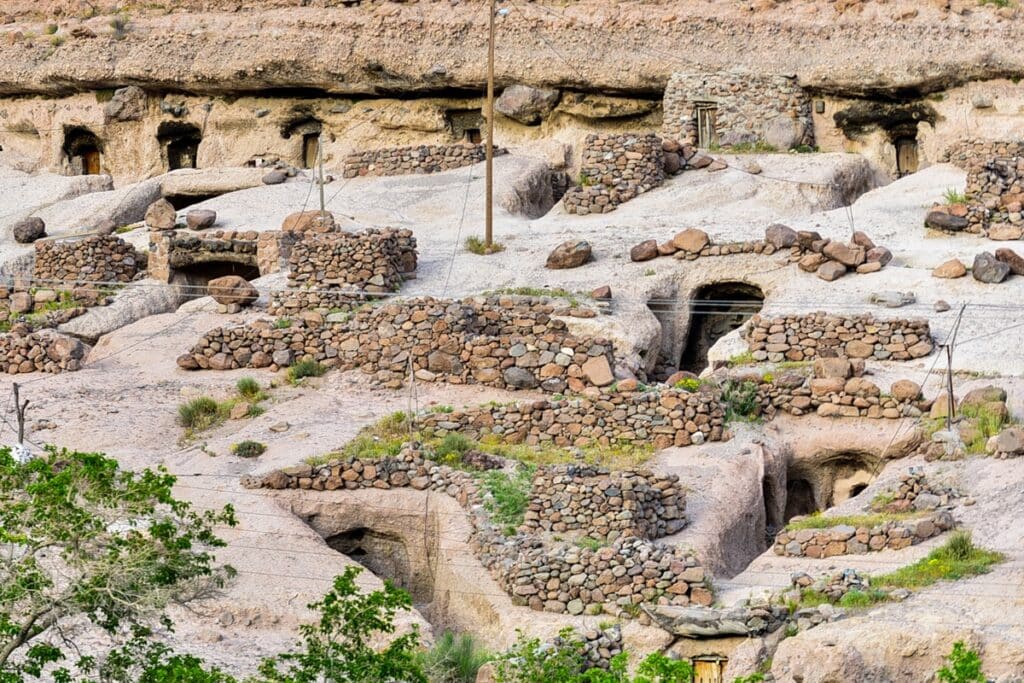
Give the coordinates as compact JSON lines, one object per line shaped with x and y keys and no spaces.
{"x":509,"y":496}
{"x":249,"y":389}
{"x":142,"y":660}
{"x":952,"y":196}
{"x":996,"y":3}
{"x":249,"y":449}
{"x":590,"y":543}
{"x":307,"y":367}
{"x":50,"y":29}
{"x":649,"y":272}
{"x":804,"y":149}
{"x":56,"y":41}
{"x":757,"y":147}
{"x":740,"y":400}
{"x":282,"y":323}
{"x":255,"y":411}
{"x":987,"y":423}
{"x":752,"y":678}
{"x":476,"y":245}
{"x":584,"y":180}
{"x":557,"y":292}
{"x":453,"y":659}
{"x":690,"y":384}
{"x":860,"y":599}
{"x":745,"y":358}
{"x":337,"y":649}
{"x":963,"y":665}
{"x":956,"y":558}
{"x":882,"y":500}
{"x":127,"y":549}
{"x":201,"y":413}
{"x":819,"y":521}
{"x":442,"y":409}
{"x":452,"y":447}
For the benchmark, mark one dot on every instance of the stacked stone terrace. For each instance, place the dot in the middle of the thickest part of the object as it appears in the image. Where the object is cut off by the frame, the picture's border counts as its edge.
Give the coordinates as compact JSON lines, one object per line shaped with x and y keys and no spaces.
{"x":172,"y":250}
{"x":374,"y":261}
{"x":819,"y":335}
{"x":44,"y":351}
{"x":514,"y":342}
{"x":748,"y":108}
{"x":605,"y":505}
{"x":559,"y":578}
{"x":417,"y":159}
{"x":849,"y":540}
{"x":995,"y":186}
{"x":616,"y":168}
{"x":97,"y":258}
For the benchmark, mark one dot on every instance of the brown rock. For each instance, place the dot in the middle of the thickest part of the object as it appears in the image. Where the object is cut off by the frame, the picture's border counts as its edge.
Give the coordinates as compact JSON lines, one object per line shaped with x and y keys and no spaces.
{"x":858,"y":349}
{"x":847,"y":255}
{"x":200,"y":219}
{"x":1005,"y":231}
{"x":598,"y":371}
{"x":570,"y":254}
{"x":809,"y":263}
{"x":833,"y":367}
{"x":691,"y":240}
{"x":603,"y":293}
{"x":1012,"y":259}
{"x":862,"y":240}
{"x":878,"y":255}
{"x":831,"y":270}
{"x":905,"y":390}
{"x":309,"y":221}
{"x":232,"y":289}
{"x":644,"y":251}
{"x":952,"y":268}
{"x":161,"y":215}
{"x":21,"y":302}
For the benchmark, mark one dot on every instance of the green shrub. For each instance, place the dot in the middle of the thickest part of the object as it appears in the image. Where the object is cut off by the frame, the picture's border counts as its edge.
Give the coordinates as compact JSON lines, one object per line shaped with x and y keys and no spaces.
{"x":255,"y":411}
{"x":50,"y":29}
{"x":453,"y":659}
{"x":952,"y":196}
{"x":804,"y":149}
{"x":996,"y":3}
{"x":509,"y":496}
{"x":249,"y":388}
{"x":956,"y":558}
{"x":282,"y":323}
{"x":820,"y":521}
{"x":442,"y":409}
{"x":745,"y":358}
{"x":690,"y":384}
{"x":307,"y":367}
{"x":740,"y":400}
{"x":757,"y":147}
{"x":451,"y":448}
{"x":963,"y":665}
{"x":476,"y":245}
{"x":248,"y":449}
{"x":200,"y":413}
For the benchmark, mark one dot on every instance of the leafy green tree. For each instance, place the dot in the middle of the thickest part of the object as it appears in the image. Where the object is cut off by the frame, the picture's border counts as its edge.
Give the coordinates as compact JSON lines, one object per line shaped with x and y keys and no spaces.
{"x":531,"y":661}
{"x":336,"y":649}
{"x":143,"y":660}
{"x":963,"y":666}
{"x":81,"y":537}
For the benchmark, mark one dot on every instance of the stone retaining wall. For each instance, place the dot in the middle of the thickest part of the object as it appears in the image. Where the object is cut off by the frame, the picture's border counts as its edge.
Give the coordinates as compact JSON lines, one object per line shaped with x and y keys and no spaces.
{"x":372,"y":261}
{"x":97,"y":258}
{"x":995,"y":185}
{"x":606,"y":505}
{"x":749,"y":109}
{"x":561,"y":578}
{"x":615,"y":169}
{"x":43,"y":351}
{"x":417,"y":159}
{"x":171,"y":250}
{"x":671,"y":417}
{"x":819,"y":335}
{"x":513,"y":342}
{"x":849,"y":540}
{"x":832,"y":397}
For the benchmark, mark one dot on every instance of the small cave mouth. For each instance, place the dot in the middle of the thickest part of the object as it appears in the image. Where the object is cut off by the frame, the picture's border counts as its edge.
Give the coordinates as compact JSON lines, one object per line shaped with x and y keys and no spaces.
{"x":83,"y":150}
{"x":183,"y":201}
{"x":180,"y":143}
{"x":383,"y":554}
{"x":716,"y":310}
{"x":195,"y":278}
{"x":818,"y":484}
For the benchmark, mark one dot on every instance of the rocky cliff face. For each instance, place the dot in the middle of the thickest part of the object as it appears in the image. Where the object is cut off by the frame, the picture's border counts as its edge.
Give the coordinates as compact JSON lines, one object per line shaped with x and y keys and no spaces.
{"x":847,"y":47}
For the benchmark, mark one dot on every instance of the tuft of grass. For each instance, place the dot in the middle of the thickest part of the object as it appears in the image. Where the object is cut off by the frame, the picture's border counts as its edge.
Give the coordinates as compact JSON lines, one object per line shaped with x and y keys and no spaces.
{"x":454,"y":659}
{"x":758,"y":147}
{"x":690,"y":384}
{"x":477,"y":246}
{"x":306,"y":367}
{"x":819,"y":521}
{"x":556,"y":292}
{"x":987,"y":422}
{"x":452,"y":447}
{"x":201,"y":413}
{"x":957,"y":558}
{"x":50,"y":29}
{"x":952,"y":196}
{"x":248,"y":449}
{"x":804,"y":149}
{"x":249,"y":389}
{"x":996,"y":3}
{"x":509,"y":496}
{"x":589,"y":543}
{"x":740,"y":400}
{"x":282,"y":323}
{"x":856,"y":599}
{"x":255,"y":411}
{"x":745,"y":358}
{"x":649,"y":272}
{"x":442,"y":409}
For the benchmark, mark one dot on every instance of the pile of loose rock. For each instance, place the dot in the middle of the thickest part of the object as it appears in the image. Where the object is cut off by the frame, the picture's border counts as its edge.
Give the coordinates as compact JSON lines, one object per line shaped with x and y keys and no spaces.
{"x":44,"y":351}
{"x":990,"y":268}
{"x":833,"y":586}
{"x":615,"y":169}
{"x":374,"y":261}
{"x":513,"y":342}
{"x":97,"y":258}
{"x":829,"y":259}
{"x":845,"y":539}
{"x":995,"y":191}
{"x":563,"y":578}
{"x":670,"y":417}
{"x":607,"y":505}
{"x":418,"y":159}
{"x":916,"y":492}
{"x":820,"y":335}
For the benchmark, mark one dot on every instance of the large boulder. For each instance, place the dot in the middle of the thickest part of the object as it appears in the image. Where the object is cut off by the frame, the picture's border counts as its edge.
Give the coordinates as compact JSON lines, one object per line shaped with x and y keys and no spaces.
{"x":988,"y":270}
{"x":161,"y":215}
{"x":232,"y":289}
{"x":780,"y":236}
{"x":309,"y":221}
{"x":571,"y":254}
{"x":940,"y":220}
{"x":783,"y":132}
{"x":525,"y":104}
{"x":127,"y":104}
{"x":63,"y":348}
{"x":200,"y":219}
{"x":831,"y":270}
{"x":691,"y":240}
{"x":644,"y":251}
{"x":1012,"y":259}
{"x":519,"y":378}
{"x":29,"y":230}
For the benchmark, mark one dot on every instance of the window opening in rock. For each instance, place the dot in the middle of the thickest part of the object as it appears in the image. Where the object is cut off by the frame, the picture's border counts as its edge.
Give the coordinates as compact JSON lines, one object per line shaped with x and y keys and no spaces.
{"x":708,"y":669}
{"x":906,"y":156}
{"x":857,"y":490}
{"x":383,"y":554}
{"x":717,"y":309}
{"x":473,"y":136}
{"x":182,"y":201}
{"x":465,"y":124}
{"x":82,"y":149}
{"x":181,"y":144}
{"x":707,"y":115}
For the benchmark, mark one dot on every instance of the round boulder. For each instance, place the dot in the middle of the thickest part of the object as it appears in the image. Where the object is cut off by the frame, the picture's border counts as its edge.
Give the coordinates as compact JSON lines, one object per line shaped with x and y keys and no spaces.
{"x":780,"y":236}
{"x":161,"y":215}
{"x":525,"y":104}
{"x":274,"y":178}
{"x":200,"y":219}
{"x":571,"y":254}
{"x":29,"y":230}
{"x":232,"y":289}
{"x":644,"y":251}
{"x":989,"y":270}
{"x":691,"y":240}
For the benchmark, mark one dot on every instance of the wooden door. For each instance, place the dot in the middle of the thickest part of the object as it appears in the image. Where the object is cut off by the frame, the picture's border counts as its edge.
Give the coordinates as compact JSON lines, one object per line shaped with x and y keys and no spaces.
{"x":707,"y":136}
{"x":310,"y":149}
{"x":906,"y":156}
{"x":91,"y":162}
{"x":708,"y":670}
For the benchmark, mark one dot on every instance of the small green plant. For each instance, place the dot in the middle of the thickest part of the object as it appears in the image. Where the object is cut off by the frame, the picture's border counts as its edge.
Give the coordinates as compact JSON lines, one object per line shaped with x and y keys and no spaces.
{"x":649,"y":272}
{"x":282,"y":323}
{"x":453,"y":659}
{"x":963,"y":665}
{"x":745,"y":358}
{"x":996,"y":3}
{"x":249,"y":389}
{"x":255,"y":411}
{"x":477,"y":246}
{"x":987,"y":423}
{"x":200,"y":413}
{"x":860,"y":599}
{"x":804,"y":149}
{"x":757,"y":147}
{"x":451,"y":448}
{"x":690,"y":384}
{"x":248,"y":449}
{"x":589,"y":543}
{"x":820,"y":521}
{"x":952,"y":196}
{"x":584,"y":180}
{"x":50,"y":29}
{"x":307,"y":367}
{"x":442,"y":409}
{"x":956,"y":558}
{"x":752,"y":678}
{"x":740,"y":400}
{"x":509,"y":496}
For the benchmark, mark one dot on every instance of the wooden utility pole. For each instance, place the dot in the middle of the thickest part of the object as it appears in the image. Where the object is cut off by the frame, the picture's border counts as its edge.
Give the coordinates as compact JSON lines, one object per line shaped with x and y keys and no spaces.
{"x":20,"y":409}
{"x":320,"y":168}
{"x":949,"y":370}
{"x":489,"y":230}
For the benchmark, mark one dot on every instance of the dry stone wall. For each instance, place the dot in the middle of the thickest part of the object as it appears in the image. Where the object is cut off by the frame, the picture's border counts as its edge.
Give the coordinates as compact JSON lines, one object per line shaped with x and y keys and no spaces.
{"x":747,"y":109}
{"x":670,"y":417}
{"x":819,"y":335}
{"x":417,"y":159}
{"x":606,"y":505}
{"x":97,"y":258}
{"x":373,"y":261}
{"x":849,"y":540}
{"x":43,"y":351}
{"x":561,"y":578}
{"x":176,"y":249}
{"x":795,"y":394}
{"x":615,"y":169}
{"x":995,"y":186}
{"x":498,"y":341}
